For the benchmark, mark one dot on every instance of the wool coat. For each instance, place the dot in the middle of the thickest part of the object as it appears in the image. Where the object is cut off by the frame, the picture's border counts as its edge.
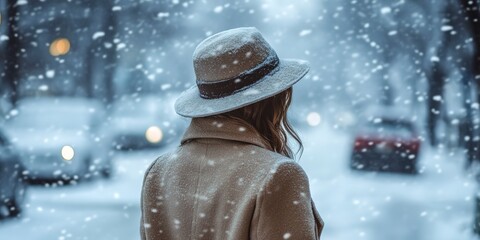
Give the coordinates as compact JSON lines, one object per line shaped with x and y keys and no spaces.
{"x":224,"y":183}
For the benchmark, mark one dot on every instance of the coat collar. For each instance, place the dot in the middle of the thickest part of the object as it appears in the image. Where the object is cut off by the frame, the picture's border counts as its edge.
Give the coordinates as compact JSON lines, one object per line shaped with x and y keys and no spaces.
{"x":223,"y":128}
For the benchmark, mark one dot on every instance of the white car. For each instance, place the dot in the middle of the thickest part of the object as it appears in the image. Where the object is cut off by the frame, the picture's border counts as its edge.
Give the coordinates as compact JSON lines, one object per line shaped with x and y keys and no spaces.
{"x":13,"y":187}
{"x":145,"y":121}
{"x":61,"y":137}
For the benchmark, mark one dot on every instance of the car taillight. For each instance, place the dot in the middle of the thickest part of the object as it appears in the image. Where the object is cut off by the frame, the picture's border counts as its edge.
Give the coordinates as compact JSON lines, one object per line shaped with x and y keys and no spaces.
{"x":415,"y":145}
{"x":360,"y":144}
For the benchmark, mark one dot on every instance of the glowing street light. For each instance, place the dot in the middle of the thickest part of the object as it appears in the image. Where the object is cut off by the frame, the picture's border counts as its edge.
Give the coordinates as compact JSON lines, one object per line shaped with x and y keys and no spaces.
{"x":60,"y":46}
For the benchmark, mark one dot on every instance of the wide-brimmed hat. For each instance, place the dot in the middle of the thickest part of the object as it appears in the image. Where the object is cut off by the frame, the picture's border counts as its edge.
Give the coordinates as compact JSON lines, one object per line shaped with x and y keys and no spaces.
{"x":236,"y":68}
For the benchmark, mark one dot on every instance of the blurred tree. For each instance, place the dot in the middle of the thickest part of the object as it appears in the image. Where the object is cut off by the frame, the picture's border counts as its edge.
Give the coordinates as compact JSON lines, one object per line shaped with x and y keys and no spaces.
{"x":154,"y":36}
{"x":392,"y":39}
{"x":437,"y":75}
{"x":87,"y":68}
{"x":471,"y":18}
{"x":453,"y":52}
{"x":10,"y":78}
{"x":434,"y":102}
{"x":109,"y":54}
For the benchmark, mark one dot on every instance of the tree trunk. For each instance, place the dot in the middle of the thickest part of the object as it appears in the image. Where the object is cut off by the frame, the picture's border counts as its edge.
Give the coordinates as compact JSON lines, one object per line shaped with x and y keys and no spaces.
{"x":471,"y":12}
{"x":435,"y":89}
{"x":12,"y":77}
{"x":111,"y":54}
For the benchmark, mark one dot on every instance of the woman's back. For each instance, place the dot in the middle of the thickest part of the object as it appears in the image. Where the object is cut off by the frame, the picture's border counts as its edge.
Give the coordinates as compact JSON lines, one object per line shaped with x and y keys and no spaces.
{"x":223,"y":183}
{"x":232,"y":177}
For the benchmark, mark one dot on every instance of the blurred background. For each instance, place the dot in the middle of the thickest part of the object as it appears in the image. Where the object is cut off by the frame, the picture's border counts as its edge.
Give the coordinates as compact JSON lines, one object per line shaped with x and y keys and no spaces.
{"x":389,"y":112}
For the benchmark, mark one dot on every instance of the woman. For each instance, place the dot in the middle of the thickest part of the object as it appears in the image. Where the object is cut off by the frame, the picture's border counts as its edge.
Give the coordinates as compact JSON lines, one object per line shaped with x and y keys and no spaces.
{"x":233,"y":176}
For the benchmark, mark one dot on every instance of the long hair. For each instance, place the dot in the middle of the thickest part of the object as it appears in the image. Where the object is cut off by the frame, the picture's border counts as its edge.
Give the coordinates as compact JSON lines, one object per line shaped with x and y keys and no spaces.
{"x":269,"y":118}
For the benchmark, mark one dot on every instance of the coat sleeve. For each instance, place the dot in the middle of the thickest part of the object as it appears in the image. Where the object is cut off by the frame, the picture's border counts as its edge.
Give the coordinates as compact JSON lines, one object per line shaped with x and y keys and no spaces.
{"x":143,"y":225}
{"x":142,"y":222}
{"x":286,"y":208}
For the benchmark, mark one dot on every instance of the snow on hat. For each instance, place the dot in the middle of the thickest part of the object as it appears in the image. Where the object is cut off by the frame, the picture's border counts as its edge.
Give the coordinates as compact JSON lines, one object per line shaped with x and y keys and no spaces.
{"x":233,"y":69}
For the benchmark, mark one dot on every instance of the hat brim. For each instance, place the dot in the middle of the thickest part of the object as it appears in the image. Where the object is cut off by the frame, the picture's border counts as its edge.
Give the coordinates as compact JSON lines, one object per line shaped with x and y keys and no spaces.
{"x":287,"y":73}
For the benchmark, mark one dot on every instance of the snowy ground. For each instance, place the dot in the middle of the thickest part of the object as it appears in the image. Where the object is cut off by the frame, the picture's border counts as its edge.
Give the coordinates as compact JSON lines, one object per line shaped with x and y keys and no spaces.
{"x":436,"y":204}
{"x":99,"y":209}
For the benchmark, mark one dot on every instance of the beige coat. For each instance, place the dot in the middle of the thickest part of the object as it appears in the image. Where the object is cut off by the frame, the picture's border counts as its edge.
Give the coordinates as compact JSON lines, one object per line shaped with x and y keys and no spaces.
{"x":222,"y":183}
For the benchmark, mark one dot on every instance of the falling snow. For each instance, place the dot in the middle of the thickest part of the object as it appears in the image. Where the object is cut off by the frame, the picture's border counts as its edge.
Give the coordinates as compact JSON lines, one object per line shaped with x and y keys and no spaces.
{"x":388,"y":112}
{"x":98,"y":35}
{"x":218,"y":9}
{"x":447,"y":28}
{"x":305,"y":32}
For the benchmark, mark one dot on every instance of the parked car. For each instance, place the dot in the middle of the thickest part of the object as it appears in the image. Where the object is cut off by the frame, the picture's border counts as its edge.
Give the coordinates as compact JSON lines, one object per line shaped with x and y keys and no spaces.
{"x":61,"y":137}
{"x":145,"y":121}
{"x":386,"y":144}
{"x":12,"y":183}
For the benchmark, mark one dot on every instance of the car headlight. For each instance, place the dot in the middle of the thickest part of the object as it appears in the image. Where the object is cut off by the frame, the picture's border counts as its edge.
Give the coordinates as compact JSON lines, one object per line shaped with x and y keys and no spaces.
{"x":68,"y":153}
{"x":154,"y":134}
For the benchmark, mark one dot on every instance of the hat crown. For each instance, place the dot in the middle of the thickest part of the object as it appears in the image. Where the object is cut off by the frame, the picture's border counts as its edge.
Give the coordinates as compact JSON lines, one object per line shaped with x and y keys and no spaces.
{"x":230,"y":53}
{"x":233,"y":69}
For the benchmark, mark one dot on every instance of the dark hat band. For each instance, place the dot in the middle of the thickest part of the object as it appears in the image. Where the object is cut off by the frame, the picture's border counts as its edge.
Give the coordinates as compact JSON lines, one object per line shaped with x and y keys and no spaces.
{"x":218,"y":89}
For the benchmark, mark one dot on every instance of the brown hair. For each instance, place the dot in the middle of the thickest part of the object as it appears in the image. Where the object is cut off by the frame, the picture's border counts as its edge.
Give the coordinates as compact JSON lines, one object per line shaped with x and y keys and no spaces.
{"x":269,"y":118}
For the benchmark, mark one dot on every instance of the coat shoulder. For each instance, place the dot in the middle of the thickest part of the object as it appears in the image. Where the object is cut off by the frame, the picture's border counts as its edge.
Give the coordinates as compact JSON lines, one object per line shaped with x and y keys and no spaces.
{"x":289,"y":171}
{"x":275,"y":164}
{"x":273,"y":158}
{"x":161,"y":160}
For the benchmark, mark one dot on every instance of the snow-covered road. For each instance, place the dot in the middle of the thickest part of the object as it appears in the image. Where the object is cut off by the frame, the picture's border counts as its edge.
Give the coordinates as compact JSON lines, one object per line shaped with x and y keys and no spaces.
{"x":436,"y":204}
{"x":98,"y":209}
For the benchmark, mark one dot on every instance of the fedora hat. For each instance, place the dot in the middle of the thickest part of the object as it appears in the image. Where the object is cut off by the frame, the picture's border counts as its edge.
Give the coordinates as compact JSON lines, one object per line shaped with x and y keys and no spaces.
{"x":233,"y":69}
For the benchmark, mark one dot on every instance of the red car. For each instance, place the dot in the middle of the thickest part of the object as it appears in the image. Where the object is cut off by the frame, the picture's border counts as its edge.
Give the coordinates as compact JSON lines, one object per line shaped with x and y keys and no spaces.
{"x":386,"y":144}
